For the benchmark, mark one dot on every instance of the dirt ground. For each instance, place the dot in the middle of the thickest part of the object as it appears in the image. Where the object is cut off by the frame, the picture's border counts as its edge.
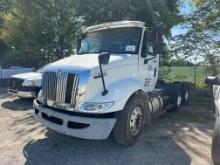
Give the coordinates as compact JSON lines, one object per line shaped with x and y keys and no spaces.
{"x":179,"y":138}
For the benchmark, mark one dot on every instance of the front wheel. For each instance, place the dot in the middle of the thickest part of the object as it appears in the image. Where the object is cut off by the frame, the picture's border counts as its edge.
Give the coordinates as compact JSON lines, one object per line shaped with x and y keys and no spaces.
{"x":130,"y":121}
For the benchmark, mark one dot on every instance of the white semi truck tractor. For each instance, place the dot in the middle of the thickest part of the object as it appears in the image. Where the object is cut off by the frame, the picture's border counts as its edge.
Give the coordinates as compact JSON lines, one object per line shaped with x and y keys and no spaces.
{"x":110,"y":86}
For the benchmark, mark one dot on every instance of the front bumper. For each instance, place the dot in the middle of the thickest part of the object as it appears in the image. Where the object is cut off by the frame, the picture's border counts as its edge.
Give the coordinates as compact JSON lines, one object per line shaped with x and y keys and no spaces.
{"x":24,"y":94}
{"x":77,"y":126}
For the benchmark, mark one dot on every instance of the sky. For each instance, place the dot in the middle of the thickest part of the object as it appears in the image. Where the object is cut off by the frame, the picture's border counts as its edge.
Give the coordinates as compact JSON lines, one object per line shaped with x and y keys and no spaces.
{"x":185,"y":9}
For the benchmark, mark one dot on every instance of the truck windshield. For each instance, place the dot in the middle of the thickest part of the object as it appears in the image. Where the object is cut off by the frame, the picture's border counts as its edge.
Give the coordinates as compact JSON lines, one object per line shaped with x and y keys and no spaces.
{"x":116,"y":41}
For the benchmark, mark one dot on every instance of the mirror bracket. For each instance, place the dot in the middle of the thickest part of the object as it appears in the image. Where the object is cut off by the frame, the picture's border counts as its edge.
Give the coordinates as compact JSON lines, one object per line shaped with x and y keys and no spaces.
{"x":103,"y":59}
{"x":148,"y":59}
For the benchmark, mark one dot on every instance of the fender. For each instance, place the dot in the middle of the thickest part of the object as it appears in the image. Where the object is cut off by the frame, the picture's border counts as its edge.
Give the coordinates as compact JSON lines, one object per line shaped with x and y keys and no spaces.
{"x":119,"y":92}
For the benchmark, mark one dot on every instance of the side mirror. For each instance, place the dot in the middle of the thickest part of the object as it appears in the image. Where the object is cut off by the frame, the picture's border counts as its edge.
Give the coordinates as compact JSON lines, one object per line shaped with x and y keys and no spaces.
{"x":104,"y":58}
{"x":157,"y":39}
{"x":212,"y":80}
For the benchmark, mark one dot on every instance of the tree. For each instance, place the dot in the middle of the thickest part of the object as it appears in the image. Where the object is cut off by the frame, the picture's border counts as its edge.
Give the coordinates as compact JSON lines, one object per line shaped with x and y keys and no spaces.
{"x":200,"y":39}
{"x":41,"y":29}
{"x":45,"y":30}
{"x":4,"y":7}
{"x":208,"y":14}
{"x":163,"y":12}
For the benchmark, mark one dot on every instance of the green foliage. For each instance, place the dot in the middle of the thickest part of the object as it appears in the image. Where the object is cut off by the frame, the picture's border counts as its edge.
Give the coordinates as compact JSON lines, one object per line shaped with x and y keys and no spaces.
{"x":165,"y":73}
{"x":4,"y":7}
{"x":210,"y":12}
{"x":163,"y":12}
{"x":181,"y":62}
{"x":44,"y":28}
{"x":201,"y":39}
{"x":185,"y":73}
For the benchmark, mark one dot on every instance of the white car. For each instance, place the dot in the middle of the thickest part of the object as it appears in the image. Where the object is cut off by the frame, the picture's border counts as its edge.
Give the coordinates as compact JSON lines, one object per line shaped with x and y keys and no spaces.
{"x":215,"y":81}
{"x":26,"y":85}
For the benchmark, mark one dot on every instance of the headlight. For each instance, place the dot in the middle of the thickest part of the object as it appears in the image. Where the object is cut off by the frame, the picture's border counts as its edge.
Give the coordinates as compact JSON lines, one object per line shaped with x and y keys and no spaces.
{"x":96,"y":107}
{"x":29,"y":83}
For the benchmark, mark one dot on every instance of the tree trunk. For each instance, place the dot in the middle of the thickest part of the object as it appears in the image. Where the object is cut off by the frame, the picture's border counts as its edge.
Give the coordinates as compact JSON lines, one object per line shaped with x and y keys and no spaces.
{"x":195,"y":75}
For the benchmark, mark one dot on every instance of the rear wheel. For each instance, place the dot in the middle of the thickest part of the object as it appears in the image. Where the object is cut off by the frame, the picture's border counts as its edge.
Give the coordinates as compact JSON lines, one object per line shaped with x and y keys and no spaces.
{"x":185,"y":96}
{"x":216,"y":143}
{"x":130,"y":121}
{"x":176,"y":100}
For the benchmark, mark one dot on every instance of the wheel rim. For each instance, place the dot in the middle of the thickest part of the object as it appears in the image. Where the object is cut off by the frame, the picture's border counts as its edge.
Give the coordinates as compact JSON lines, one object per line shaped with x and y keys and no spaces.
{"x":179,"y":101}
{"x":186,"y":96}
{"x":136,"y":121}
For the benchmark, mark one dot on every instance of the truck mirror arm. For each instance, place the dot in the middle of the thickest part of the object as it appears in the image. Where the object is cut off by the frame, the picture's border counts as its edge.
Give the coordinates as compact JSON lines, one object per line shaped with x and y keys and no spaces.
{"x":105,"y":91}
{"x":103,"y":58}
{"x":148,"y":59}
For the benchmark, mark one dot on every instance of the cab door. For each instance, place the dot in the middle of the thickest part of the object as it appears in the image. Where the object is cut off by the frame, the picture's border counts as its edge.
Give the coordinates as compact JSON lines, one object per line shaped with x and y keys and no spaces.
{"x":148,"y":62}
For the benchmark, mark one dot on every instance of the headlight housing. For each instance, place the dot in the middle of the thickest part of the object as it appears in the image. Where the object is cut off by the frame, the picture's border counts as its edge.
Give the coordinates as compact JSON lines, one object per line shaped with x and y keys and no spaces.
{"x":29,"y":83}
{"x":96,"y":107}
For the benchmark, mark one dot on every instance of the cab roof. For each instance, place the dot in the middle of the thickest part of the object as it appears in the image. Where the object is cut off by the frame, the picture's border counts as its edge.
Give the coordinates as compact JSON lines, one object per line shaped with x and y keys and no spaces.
{"x":117,"y":24}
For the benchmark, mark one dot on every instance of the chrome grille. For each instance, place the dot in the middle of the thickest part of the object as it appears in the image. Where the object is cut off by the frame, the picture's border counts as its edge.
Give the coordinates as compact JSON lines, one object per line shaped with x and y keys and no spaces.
{"x":60,"y":87}
{"x":74,"y":89}
{"x":49,"y":84}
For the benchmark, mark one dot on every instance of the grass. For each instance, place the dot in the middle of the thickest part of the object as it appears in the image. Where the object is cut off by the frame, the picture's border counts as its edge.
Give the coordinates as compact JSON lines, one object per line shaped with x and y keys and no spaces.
{"x":185,"y":73}
{"x":200,"y":108}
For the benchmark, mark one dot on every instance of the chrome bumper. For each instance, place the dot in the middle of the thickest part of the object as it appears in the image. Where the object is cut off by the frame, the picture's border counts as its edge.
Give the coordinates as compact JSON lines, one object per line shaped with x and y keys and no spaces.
{"x":95,"y":128}
{"x":23,"y":94}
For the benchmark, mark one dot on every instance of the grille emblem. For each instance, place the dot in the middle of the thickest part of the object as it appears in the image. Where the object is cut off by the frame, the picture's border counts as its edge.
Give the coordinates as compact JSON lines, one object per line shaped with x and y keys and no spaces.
{"x":59,"y":73}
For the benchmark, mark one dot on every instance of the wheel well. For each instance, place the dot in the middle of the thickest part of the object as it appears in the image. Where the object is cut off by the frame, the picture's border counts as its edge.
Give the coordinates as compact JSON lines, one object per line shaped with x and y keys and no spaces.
{"x":138,"y":92}
{"x":143,"y":95}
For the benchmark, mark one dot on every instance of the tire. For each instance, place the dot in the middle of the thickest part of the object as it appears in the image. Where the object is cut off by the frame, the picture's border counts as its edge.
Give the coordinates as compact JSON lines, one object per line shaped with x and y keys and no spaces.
{"x":185,"y":96}
{"x":133,"y":115}
{"x":176,"y":100}
{"x":216,"y":143}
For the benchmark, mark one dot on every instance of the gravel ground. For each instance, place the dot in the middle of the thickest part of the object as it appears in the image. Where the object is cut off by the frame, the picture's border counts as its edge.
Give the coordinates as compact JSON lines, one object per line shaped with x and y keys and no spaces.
{"x":179,"y":138}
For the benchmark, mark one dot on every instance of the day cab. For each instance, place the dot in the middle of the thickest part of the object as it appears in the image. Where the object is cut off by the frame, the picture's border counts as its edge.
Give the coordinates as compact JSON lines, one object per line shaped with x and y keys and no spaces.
{"x":109,"y":87}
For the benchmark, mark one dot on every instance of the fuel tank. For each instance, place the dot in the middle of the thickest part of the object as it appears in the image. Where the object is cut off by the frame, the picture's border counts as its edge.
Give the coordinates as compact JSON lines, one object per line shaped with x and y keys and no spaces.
{"x":155,"y":103}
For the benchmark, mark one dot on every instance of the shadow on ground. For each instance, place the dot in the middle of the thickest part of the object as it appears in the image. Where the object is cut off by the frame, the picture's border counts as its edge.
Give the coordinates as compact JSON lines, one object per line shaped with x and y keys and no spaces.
{"x":18,"y":104}
{"x":174,"y":138}
{"x":3,"y":92}
{"x":59,"y":149}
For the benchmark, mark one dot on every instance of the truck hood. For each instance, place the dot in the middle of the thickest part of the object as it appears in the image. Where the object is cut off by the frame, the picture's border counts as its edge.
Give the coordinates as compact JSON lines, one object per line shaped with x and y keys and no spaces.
{"x":90,"y":61}
{"x":86,"y":65}
{"x":29,"y":75}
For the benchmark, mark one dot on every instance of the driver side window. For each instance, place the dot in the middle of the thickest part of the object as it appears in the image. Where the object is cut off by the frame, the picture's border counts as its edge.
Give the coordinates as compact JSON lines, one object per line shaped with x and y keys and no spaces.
{"x":147,"y":48}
